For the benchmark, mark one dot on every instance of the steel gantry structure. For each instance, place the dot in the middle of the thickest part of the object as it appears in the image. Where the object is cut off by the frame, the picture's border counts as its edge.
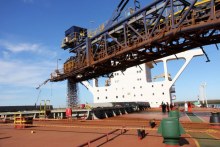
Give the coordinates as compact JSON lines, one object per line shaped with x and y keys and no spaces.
{"x":162,"y":28}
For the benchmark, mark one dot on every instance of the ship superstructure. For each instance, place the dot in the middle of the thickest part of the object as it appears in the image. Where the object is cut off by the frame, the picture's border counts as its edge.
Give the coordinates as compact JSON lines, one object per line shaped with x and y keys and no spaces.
{"x":136,"y":84}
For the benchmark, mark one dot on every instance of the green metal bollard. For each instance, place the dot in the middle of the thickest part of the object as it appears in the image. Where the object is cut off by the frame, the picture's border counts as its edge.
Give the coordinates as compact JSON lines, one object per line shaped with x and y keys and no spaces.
{"x":171,"y":130}
{"x":174,"y":113}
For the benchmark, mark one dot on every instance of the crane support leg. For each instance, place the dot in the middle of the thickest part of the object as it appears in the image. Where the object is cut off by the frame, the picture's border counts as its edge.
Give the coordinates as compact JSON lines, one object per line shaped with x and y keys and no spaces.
{"x":72,"y":93}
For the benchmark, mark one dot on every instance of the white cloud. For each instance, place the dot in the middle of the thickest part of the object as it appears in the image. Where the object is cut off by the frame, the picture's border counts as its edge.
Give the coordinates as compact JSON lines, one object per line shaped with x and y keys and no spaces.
{"x":19,"y":73}
{"x":11,"y":47}
{"x":19,"y":79}
{"x":20,"y":47}
{"x":24,"y":66}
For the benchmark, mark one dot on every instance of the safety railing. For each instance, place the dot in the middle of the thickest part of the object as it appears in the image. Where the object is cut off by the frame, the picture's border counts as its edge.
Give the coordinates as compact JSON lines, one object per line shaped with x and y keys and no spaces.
{"x":100,"y":137}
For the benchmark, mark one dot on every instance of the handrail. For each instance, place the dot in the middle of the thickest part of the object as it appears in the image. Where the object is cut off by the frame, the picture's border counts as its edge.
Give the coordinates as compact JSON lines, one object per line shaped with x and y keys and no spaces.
{"x":100,"y":137}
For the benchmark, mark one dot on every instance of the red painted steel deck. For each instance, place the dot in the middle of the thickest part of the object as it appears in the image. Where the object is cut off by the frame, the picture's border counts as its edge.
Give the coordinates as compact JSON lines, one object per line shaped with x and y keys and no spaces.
{"x":68,"y":136}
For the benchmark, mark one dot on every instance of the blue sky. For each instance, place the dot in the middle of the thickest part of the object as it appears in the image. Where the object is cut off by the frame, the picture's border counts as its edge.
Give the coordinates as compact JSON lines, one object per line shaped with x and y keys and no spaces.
{"x":31,"y":32}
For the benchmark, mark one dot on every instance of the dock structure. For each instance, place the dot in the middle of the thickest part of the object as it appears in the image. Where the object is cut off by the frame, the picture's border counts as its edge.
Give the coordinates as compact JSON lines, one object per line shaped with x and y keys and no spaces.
{"x":85,"y":114}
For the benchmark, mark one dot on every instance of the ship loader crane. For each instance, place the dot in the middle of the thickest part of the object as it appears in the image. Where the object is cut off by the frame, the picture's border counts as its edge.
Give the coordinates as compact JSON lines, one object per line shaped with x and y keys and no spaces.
{"x":160,"y":29}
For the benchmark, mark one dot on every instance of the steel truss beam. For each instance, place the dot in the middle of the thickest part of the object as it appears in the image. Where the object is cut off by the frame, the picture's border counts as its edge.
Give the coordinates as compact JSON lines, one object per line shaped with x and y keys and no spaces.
{"x":162,"y":28}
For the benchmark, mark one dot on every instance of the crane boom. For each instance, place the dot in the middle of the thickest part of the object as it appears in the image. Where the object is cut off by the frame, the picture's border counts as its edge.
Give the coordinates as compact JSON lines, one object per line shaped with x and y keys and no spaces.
{"x":45,"y":82}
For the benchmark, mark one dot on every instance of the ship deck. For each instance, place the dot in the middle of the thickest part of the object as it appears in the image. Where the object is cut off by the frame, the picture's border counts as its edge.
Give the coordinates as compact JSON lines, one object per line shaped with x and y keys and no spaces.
{"x":111,"y":131}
